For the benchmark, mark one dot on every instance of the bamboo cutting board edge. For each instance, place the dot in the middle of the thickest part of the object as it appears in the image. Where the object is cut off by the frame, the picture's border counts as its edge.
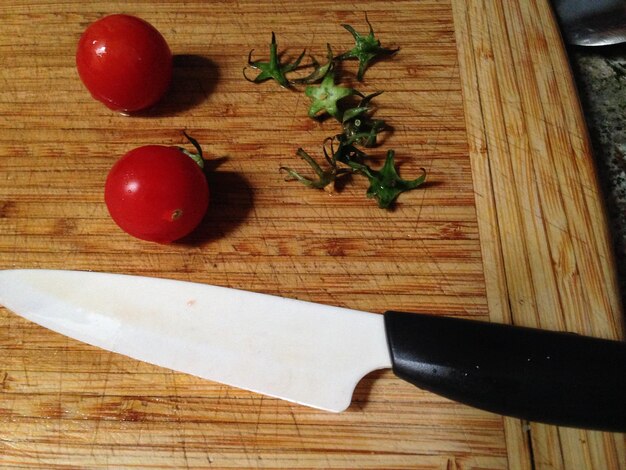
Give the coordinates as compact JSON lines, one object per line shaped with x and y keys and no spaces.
{"x":507,"y":120}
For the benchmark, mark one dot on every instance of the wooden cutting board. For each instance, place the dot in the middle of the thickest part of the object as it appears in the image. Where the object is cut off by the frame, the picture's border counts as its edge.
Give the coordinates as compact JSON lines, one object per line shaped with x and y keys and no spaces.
{"x":510,"y":228}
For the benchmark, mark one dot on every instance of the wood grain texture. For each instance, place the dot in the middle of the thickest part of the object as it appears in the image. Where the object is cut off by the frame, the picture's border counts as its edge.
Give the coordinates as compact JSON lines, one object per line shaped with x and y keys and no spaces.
{"x":545,"y":244}
{"x":509,"y":227}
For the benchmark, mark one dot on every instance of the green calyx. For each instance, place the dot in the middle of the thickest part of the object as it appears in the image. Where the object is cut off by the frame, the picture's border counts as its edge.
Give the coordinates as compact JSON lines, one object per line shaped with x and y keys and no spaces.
{"x":326,"y":96}
{"x":272,"y":69}
{"x":385,"y":184}
{"x":319,"y":71}
{"x":326,"y":178}
{"x":366,"y":49}
{"x":359,"y":126}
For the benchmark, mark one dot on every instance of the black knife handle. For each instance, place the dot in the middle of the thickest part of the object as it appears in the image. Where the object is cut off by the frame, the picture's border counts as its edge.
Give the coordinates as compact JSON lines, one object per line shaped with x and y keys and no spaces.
{"x":538,"y":375}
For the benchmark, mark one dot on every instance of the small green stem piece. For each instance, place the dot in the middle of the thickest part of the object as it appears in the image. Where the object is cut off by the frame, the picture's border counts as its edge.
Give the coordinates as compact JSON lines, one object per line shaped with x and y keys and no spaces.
{"x":197,"y":156}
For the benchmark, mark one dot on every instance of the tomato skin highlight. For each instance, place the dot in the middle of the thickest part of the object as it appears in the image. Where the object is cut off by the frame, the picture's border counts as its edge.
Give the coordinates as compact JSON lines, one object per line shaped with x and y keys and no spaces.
{"x":156,"y":193}
{"x":124,"y":62}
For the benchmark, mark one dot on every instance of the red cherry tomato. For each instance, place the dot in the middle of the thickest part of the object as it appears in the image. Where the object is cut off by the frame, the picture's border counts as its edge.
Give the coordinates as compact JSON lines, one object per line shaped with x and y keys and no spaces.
{"x":156,"y":193}
{"x":124,"y":62}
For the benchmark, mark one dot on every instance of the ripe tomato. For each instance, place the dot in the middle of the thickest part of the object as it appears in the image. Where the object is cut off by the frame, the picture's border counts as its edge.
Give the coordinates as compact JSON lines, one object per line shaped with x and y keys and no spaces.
{"x":124,"y":62}
{"x":156,"y":193}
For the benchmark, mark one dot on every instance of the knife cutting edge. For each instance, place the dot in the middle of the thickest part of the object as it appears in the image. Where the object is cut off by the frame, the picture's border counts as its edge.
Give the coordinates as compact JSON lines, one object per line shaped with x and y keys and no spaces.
{"x":315,"y":354}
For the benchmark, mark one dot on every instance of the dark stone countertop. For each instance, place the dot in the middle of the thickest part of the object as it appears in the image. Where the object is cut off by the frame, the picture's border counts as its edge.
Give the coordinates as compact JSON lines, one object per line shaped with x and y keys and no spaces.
{"x":600,"y":74}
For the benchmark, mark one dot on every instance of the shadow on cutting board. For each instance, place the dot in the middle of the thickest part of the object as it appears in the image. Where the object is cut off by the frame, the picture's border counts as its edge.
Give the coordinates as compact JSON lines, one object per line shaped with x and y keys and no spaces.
{"x":230,"y":203}
{"x":363,"y":389}
{"x":194,"y":78}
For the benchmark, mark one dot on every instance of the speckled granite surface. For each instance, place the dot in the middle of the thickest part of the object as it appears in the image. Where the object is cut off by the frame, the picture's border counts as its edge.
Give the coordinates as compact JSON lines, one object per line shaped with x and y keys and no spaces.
{"x":600,"y":74}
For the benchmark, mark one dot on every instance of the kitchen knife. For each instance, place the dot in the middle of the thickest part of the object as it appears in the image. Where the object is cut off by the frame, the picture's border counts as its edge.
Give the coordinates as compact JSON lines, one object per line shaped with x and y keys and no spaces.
{"x":315,"y":354}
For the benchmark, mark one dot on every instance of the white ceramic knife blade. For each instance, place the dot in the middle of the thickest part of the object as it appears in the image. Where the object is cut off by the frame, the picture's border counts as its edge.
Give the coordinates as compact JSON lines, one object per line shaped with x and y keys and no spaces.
{"x":315,"y":354}
{"x":299,"y":351}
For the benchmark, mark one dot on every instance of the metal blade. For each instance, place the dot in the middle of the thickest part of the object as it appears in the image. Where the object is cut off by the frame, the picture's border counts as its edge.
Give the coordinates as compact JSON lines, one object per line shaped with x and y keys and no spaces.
{"x":299,"y":351}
